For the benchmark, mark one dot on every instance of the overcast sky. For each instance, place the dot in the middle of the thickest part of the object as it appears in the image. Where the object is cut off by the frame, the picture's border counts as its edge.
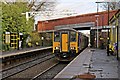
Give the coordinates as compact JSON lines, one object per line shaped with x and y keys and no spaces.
{"x":76,"y":6}
{"x":79,"y":6}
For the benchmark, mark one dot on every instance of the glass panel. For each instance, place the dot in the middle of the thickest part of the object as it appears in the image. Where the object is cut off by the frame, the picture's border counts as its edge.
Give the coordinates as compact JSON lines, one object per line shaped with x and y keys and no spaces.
{"x":73,"y":37}
{"x":57,"y":36}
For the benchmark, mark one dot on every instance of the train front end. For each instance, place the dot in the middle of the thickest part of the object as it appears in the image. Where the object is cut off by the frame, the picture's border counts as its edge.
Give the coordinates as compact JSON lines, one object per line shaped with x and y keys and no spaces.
{"x":65,"y":45}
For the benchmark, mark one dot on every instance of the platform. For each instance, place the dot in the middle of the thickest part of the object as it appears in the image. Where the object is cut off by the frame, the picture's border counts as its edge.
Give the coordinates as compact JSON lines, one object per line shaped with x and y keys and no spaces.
{"x":22,"y":51}
{"x":93,"y":61}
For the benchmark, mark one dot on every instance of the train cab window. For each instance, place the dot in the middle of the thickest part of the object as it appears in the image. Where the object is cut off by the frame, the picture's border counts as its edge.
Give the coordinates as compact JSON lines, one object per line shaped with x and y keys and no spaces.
{"x":57,"y":36}
{"x":73,"y":37}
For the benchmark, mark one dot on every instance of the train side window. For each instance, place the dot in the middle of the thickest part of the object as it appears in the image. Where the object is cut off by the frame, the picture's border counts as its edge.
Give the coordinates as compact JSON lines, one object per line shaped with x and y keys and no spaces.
{"x":73,"y":37}
{"x":56,"y":36}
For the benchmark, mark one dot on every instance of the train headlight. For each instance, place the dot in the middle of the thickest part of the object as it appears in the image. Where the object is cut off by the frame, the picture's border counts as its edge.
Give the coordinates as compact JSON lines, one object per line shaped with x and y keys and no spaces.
{"x":57,"y":48}
{"x":72,"y":48}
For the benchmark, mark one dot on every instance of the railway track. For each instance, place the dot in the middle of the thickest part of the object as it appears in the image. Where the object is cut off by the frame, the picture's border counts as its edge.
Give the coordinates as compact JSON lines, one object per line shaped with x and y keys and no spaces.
{"x":25,"y":61}
{"x":43,"y":72}
{"x":24,"y":55}
{"x":6,"y":73}
{"x":50,"y":72}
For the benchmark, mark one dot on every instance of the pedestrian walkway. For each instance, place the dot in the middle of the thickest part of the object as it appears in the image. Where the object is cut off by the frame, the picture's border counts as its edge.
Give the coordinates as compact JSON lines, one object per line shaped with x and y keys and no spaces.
{"x":103,"y":66}
{"x":93,"y":61}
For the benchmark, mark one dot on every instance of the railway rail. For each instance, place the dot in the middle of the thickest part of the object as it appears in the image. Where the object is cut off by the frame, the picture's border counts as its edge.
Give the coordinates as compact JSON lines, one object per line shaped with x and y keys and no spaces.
{"x":24,"y":66}
{"x":25,"y":60}
{"x":44,"y":71}
{"x":50,"y":72}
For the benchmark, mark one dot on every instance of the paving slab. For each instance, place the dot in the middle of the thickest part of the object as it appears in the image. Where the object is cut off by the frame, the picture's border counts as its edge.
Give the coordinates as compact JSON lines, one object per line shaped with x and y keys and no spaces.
{"x":107,"y":64}
{"x":93,"y":61}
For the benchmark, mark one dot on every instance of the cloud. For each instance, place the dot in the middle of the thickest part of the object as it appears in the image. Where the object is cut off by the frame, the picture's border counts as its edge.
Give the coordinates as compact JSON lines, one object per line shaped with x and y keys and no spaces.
{"x":79,"y":7}
{"x":75,"y":6}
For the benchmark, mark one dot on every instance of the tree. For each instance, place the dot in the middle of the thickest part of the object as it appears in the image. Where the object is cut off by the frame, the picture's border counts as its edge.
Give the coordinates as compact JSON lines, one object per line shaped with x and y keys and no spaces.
{"x":13,"y":20}
{"x":35,"y":37}
{"x":43,"y":6}
{"x":112,"y":5}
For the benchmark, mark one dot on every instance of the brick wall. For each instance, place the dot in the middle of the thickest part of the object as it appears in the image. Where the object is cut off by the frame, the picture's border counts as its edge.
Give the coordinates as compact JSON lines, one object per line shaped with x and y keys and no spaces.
{"x":50,"y":24}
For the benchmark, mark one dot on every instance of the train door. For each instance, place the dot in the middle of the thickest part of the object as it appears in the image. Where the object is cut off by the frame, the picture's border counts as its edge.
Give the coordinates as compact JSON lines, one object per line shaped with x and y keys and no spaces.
{"x":64,"y":42}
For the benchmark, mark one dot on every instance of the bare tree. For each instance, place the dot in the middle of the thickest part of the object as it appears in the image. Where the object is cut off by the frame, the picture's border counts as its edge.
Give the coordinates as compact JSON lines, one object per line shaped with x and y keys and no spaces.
{"x":45,"y":7}
{"x":112,"y":5}
{"x":36,"y":5}
{"x":42,"y":5}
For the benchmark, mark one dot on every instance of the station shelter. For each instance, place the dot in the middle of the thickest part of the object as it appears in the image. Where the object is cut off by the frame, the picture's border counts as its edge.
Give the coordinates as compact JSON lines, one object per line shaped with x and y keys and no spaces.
{"x":115,"y":34}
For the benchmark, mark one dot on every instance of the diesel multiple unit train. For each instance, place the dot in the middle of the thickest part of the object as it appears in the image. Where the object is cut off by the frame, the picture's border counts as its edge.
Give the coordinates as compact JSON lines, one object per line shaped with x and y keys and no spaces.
{"x":67,"y":43}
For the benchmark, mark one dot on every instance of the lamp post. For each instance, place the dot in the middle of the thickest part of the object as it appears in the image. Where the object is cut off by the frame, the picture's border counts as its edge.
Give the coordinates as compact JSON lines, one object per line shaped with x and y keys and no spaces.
{"x":108,"y":31}
{"x":97,"y":31}
{"x":97,"y":24}
{"x":108,"y":26}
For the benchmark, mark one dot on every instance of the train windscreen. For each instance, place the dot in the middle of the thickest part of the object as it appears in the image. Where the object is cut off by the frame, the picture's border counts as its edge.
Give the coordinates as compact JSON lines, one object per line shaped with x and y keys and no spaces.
{"x":57,"y":36}
{"x":73,"y":37}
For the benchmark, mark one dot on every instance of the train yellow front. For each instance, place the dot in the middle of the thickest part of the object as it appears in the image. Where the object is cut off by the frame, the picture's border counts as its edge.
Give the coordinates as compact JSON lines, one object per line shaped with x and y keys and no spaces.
{"x":67,"y":43}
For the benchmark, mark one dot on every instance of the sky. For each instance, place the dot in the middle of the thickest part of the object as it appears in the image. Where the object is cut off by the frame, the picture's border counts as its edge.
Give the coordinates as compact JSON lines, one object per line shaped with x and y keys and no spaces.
{"x":77,"y":7}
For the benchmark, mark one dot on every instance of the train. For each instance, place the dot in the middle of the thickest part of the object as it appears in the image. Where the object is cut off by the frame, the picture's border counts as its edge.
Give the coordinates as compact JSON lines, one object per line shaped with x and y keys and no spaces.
{"x":67,"y":44}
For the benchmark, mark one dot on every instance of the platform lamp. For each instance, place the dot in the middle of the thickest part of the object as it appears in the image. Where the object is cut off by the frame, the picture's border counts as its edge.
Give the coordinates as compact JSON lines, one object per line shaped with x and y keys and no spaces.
{"x":108,"y":31}
{"x":97,"y":31}
{"x":97,"y":25}
{"x":108,"y":26}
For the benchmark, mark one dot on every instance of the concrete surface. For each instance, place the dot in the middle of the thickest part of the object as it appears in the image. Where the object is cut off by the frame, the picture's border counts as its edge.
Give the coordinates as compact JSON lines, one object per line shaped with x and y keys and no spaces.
{"x":94,"y":61}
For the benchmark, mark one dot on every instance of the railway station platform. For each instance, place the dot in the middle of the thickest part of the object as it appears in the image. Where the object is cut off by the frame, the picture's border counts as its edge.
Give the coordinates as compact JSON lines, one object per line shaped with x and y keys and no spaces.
{"x":91,"y":61}
{"x":22,"y":51}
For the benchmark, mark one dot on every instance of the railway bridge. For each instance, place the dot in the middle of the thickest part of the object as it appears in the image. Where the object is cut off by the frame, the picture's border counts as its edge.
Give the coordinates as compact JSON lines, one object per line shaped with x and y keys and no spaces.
{"x":85,"y":21}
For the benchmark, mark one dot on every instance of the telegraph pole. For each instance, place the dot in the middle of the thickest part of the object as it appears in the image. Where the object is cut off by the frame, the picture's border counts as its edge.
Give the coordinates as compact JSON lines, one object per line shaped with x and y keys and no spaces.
{"x":107,"y":28}
{"x":97,"y":24}
{"x":108,"y":32}
{"x":97,"y":36}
